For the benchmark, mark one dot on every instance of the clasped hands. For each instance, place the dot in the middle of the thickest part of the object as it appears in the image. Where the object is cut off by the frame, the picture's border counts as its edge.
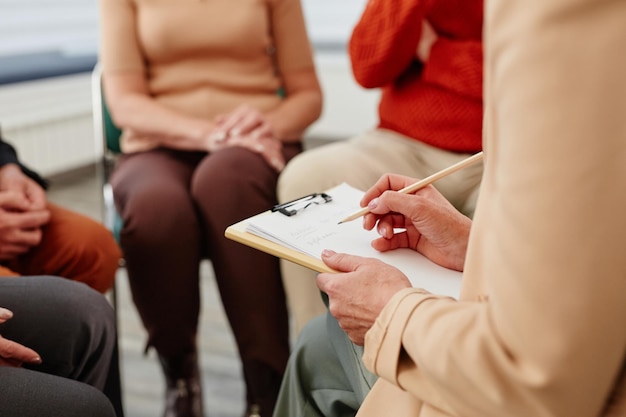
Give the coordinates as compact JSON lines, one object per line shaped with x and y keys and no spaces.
{"x":427,"y":223}
{"x":23,"y":212}
{"x":249,"y":128}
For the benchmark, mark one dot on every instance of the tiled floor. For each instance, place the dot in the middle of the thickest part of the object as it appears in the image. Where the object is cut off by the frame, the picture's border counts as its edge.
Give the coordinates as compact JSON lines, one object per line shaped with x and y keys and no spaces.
{"x":142,"y":380}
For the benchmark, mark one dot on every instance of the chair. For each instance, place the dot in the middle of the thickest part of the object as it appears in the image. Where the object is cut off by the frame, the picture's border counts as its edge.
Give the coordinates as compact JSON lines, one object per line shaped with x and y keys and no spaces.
{"x":106,"y":137}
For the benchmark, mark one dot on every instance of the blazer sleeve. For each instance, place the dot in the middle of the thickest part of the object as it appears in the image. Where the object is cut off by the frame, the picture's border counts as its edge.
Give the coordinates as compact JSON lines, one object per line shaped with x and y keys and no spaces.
{"x":549,"y":233}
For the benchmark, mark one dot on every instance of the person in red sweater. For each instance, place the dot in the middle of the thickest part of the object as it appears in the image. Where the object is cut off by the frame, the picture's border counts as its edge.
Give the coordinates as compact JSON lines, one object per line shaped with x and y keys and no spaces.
{"x":426,"y":57}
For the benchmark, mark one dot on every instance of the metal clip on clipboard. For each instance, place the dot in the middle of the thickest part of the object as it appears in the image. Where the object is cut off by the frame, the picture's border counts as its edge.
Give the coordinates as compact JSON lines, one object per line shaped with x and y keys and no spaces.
{"x":293,"y":207}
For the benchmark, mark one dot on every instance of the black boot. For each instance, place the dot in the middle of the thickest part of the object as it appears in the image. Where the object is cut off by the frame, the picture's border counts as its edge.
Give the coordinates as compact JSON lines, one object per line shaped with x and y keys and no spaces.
{"x":183,"y":392}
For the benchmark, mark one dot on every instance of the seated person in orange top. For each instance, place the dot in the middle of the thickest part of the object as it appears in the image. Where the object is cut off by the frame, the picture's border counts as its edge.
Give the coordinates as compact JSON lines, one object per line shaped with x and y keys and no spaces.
{"x":40,"y":238}
{"x":213,"y":98}
{"x":426,"y":56}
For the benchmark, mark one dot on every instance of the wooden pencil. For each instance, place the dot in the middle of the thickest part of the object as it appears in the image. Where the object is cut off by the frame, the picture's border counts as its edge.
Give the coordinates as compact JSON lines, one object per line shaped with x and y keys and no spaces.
{"x":424,"y":182}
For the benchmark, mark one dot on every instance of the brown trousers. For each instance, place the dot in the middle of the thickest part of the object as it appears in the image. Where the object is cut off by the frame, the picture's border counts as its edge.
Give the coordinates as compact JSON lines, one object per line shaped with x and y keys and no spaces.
{"x":175,"y":206}
{"x":73,"y":246}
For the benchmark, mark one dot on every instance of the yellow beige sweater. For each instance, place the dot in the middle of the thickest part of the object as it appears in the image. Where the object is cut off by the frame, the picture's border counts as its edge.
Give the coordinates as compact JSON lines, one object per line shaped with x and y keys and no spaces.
{"x":204,"y":57}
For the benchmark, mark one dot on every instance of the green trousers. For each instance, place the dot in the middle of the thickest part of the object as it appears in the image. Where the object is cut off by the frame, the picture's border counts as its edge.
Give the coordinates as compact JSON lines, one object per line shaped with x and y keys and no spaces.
{"x":325,"y":375}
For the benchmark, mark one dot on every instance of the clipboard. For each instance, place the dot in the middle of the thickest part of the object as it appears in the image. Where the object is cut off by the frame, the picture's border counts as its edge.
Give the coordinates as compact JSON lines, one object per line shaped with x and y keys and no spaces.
{"x":300,"y":238}
{"x":238,"y":232}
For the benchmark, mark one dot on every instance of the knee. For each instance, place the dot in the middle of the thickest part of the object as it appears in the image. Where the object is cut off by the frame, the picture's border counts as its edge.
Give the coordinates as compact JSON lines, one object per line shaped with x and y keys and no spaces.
{"x":312,"y":347}
{"x":73,"y":307}
{"x":311,"y":171}
{"x":82,"y":309}
{"x":218,"y":187}
{"x":80,"y":399}
{"x":85,"y":400}
{"x":100,"y":259}
{"x":297,"y":179}
{"x":96,"y":404}
{"x":230,"y":169}
{"x":155,"y":220}
{"x":28,"y":393}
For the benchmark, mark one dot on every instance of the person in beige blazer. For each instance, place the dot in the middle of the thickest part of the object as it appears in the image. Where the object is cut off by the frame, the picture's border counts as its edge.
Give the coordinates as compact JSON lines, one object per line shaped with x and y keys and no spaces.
{"x":539,"y":329}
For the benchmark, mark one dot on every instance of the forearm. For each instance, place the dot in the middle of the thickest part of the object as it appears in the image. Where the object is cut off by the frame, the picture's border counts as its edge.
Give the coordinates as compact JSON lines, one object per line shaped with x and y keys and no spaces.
{"x":383,"y":42}
{"x":147,"y":118}
{"x":295,"y":114}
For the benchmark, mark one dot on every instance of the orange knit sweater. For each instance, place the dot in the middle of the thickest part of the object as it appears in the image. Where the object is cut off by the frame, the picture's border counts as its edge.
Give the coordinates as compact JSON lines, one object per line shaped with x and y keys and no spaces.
{"x":438,"y":102}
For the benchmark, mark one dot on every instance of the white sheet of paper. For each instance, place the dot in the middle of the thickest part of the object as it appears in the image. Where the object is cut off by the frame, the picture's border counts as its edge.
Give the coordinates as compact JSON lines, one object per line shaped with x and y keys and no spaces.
{"x":316,"y":228}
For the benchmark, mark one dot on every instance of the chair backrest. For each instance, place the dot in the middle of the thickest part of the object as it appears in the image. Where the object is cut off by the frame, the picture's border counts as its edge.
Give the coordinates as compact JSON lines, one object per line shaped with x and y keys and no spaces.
{"x":112,"y":133}
{"x":107,"y":142}
{"x":106,"y":132}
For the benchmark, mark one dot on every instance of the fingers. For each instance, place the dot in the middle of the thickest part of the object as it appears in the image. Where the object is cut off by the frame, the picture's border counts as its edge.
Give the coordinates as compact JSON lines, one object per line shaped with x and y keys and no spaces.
{"x":263,"y":131}
{"x":19,"y":232}
{"x":427,"y":39}
{"x":9,"y":251}
{"x":17,"y":211}
{"x":241,"y":121}
{"x":14,"y":201}
{"x":24,"y":225}
{"x":37,"y":196}
{"x":396,"y":241}
{"x":30,"y":221}
{"x":247,"y":127}
{"x":387,"y":182}
{"x":341,"y":262}
{"x":15,"y":354}
{"x":392,"y":202}
{"x":269,"y":149}
{"x":5,"y":314}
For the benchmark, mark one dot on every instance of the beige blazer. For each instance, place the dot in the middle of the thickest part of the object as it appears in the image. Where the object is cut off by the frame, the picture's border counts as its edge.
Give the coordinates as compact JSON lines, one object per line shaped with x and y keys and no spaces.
{"x":540,"y":329}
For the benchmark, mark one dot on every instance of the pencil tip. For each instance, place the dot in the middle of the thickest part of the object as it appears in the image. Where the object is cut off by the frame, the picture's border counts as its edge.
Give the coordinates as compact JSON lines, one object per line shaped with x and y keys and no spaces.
{"x":340,"y":222}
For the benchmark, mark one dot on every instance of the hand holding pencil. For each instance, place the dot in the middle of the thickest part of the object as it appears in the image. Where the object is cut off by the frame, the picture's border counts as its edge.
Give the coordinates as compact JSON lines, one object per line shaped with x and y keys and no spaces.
{"x":424,"y":182}
{"x":428,"y":223}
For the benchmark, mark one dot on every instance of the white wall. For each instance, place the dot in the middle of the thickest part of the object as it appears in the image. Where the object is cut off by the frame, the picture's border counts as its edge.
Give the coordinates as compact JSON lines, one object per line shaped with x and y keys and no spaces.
{"x":70,"y":26}
{"x":49,"y":121}
{"x":331,"y":21}
{"x":348,"y":108}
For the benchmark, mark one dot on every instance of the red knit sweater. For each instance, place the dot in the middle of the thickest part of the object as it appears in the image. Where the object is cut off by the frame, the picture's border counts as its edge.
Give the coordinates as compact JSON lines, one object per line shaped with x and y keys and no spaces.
{"x":439,"y":102}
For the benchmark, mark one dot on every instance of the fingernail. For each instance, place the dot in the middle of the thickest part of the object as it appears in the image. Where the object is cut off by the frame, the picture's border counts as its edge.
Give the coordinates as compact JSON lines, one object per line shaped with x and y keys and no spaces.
{"x":373,"y":204}
{"x":5,"y":314}
{"x":327,"y":252}
{"x":36,"y":360}
{"x":382,"y":231}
